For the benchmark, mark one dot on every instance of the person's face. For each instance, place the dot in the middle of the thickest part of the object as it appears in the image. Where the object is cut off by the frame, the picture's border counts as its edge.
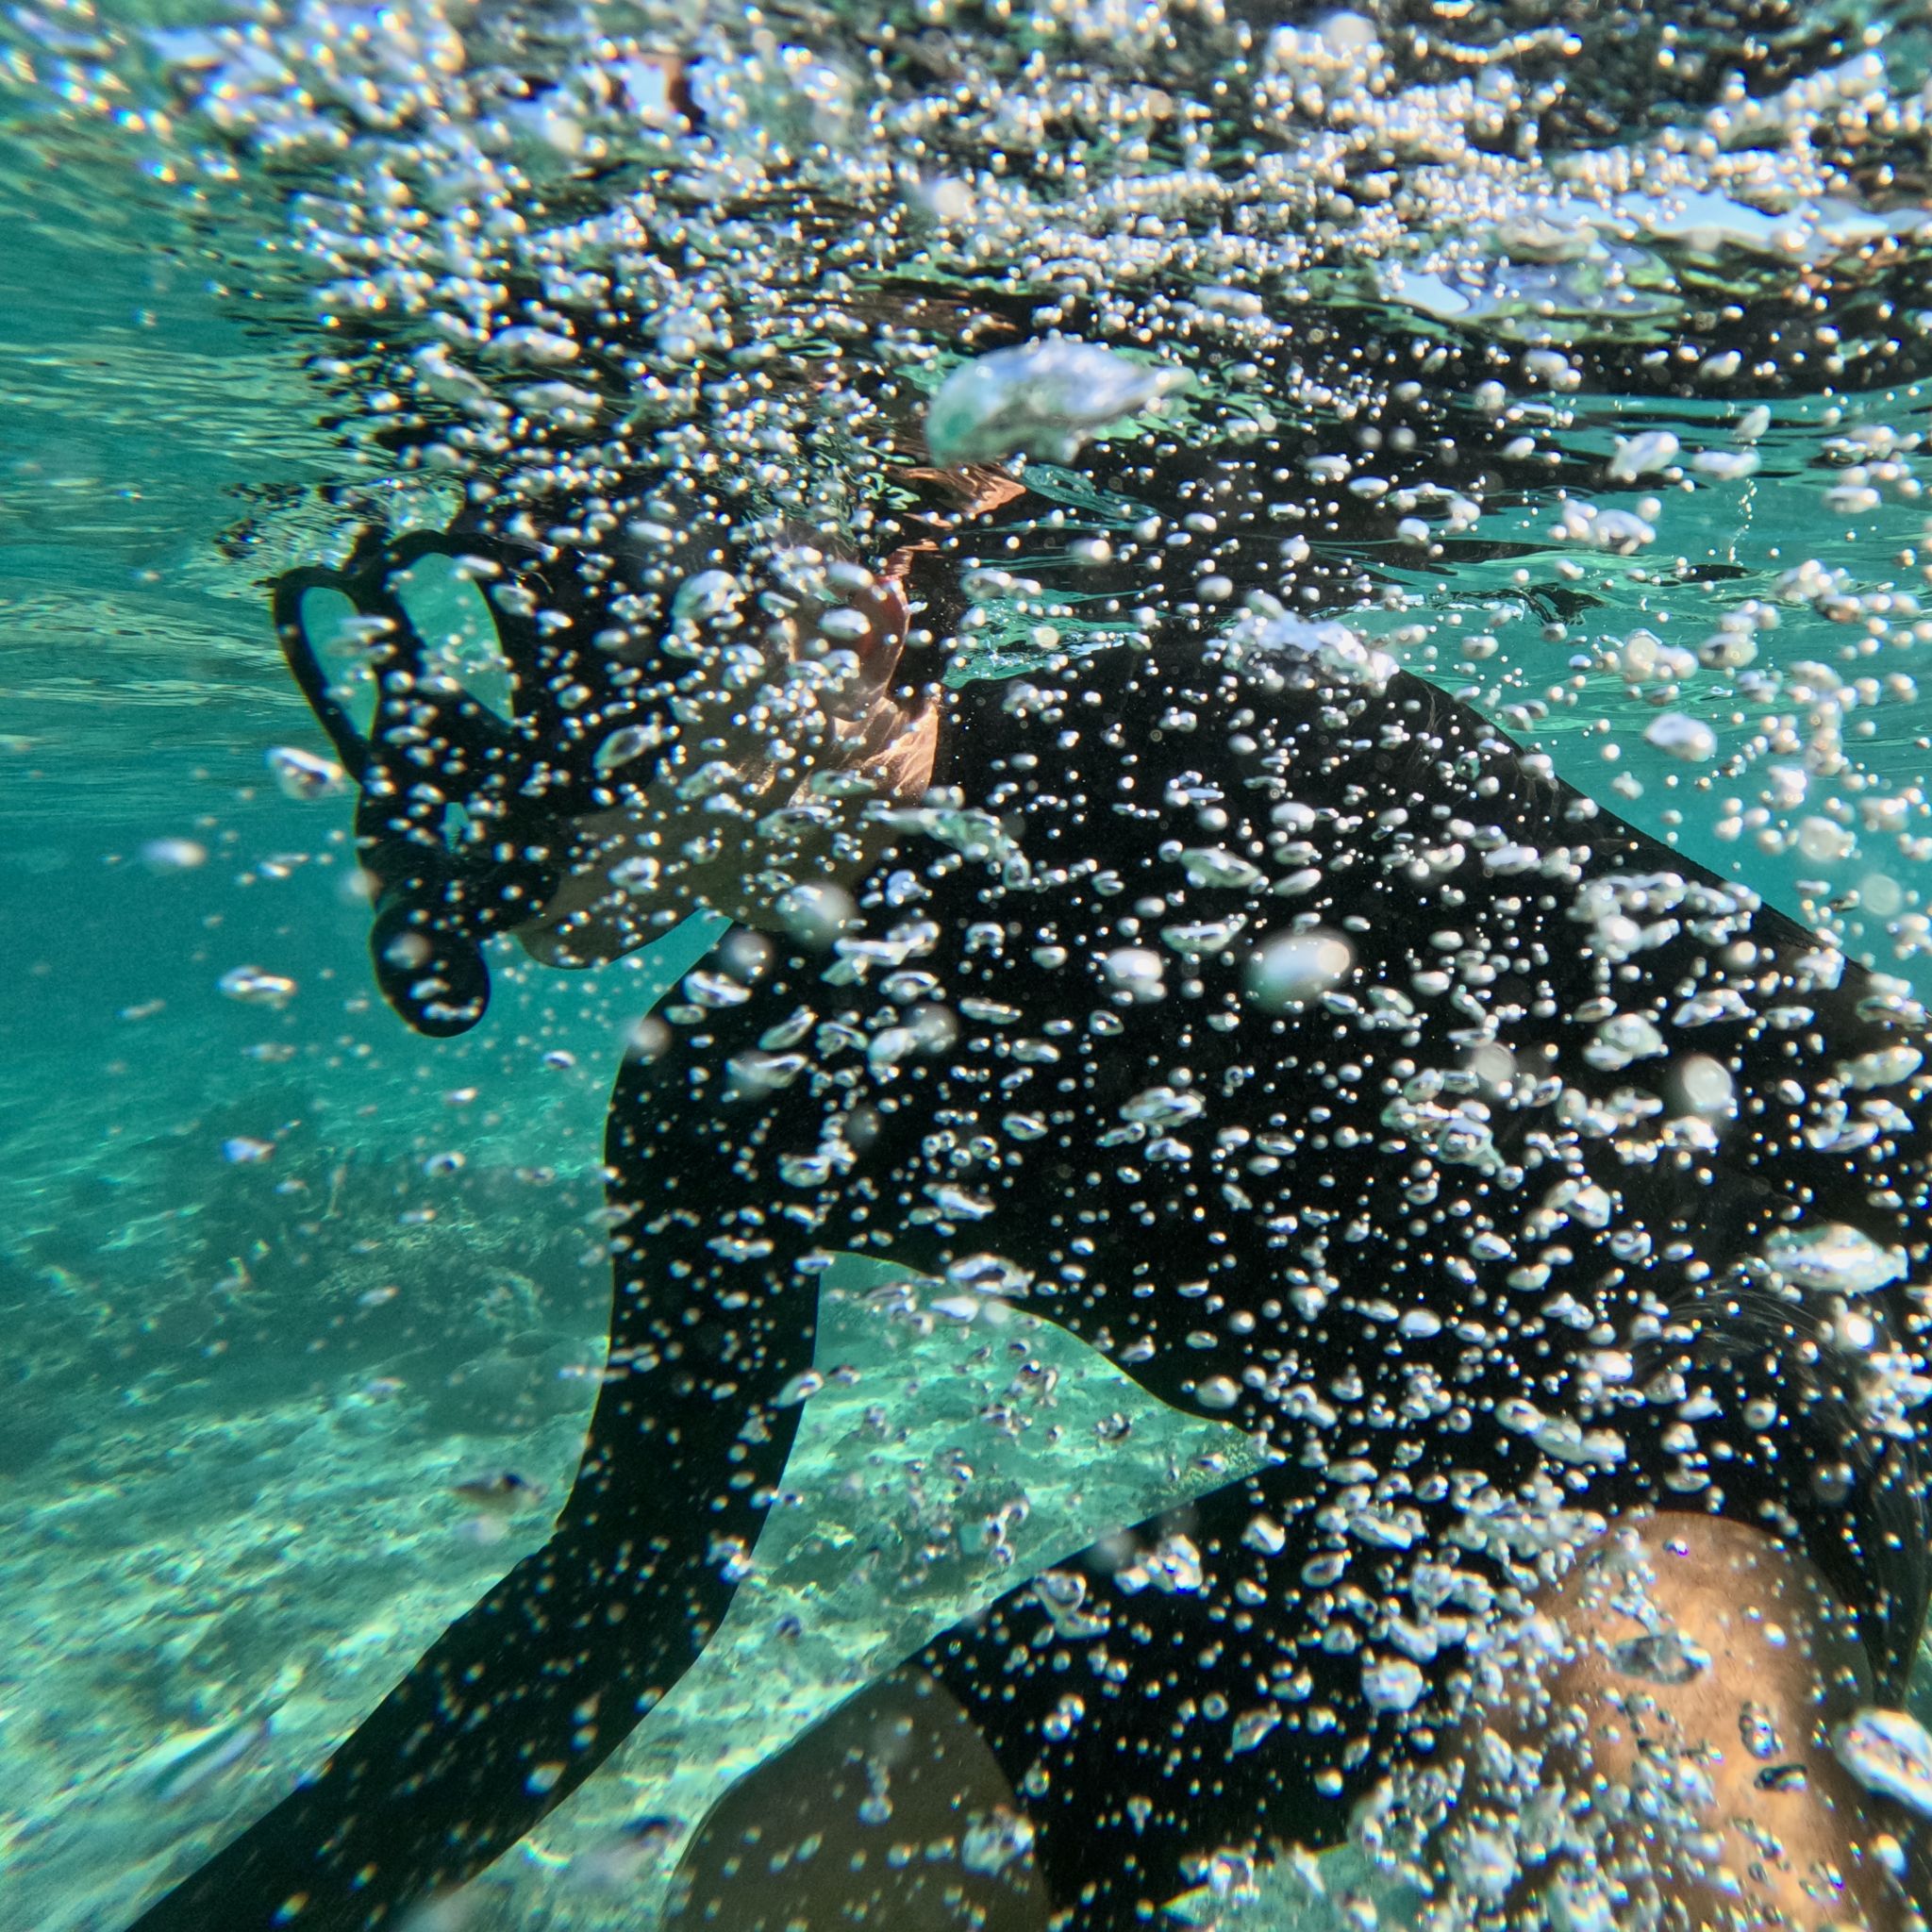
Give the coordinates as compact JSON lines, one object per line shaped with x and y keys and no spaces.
{"x":788,"y":725}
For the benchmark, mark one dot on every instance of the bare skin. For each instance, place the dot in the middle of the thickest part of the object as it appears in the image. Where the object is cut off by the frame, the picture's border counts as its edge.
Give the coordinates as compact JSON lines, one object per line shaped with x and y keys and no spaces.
{"x":639,"y":871}
{"x":1715,"y":1801}
{"x":890,"y":1812}
{"x":1701,"y":1668}
{"x":754,"y":800}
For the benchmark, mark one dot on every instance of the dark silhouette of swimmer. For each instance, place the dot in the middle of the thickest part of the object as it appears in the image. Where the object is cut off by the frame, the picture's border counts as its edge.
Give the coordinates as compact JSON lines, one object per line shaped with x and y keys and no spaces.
{"x":1253,"y":1010}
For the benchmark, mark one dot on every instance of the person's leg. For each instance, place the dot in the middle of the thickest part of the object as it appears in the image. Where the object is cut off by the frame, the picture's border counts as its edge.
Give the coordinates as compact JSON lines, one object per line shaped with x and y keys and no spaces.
{"x":1166,"y":1697}
{"x":890,"y":1812}
{"x":1658,"y":1743}
{"x":1654,"y":1741}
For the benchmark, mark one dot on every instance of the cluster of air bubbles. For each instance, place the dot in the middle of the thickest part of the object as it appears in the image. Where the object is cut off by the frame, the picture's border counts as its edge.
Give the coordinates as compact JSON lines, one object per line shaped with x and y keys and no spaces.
{"x":1889,"y":1752}
{"x":1124,"y":223}
{"x":1045,"y":399}
{"x":790,"y":365}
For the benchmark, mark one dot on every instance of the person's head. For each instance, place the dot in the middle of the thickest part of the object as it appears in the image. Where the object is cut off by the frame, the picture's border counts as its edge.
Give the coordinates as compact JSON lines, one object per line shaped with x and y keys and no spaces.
{"x":754,"y":786}
{"x":706,"y":643}
{"x":698,"y":719}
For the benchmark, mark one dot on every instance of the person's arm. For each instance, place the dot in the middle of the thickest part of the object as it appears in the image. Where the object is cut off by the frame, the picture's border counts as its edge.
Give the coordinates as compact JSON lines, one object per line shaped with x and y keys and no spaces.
{"x":525,"y":1695}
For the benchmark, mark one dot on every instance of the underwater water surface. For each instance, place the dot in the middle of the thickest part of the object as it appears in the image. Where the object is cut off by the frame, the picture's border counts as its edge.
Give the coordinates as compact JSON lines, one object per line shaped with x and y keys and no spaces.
{"x":285,"y":1289}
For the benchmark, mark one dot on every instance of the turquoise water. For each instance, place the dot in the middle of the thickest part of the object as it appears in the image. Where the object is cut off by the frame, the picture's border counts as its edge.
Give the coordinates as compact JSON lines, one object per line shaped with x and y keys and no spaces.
{"x":241,"y":1391}
{"x":244,"y":1390}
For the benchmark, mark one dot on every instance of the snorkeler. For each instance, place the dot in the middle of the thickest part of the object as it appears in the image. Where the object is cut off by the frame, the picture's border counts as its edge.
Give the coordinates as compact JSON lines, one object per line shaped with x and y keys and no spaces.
{"x":1263,"y":1017}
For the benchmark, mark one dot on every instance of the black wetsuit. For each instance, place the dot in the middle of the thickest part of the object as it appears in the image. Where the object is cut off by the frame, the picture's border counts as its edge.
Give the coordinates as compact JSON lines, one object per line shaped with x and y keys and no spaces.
{"x":1445,"y":1232}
